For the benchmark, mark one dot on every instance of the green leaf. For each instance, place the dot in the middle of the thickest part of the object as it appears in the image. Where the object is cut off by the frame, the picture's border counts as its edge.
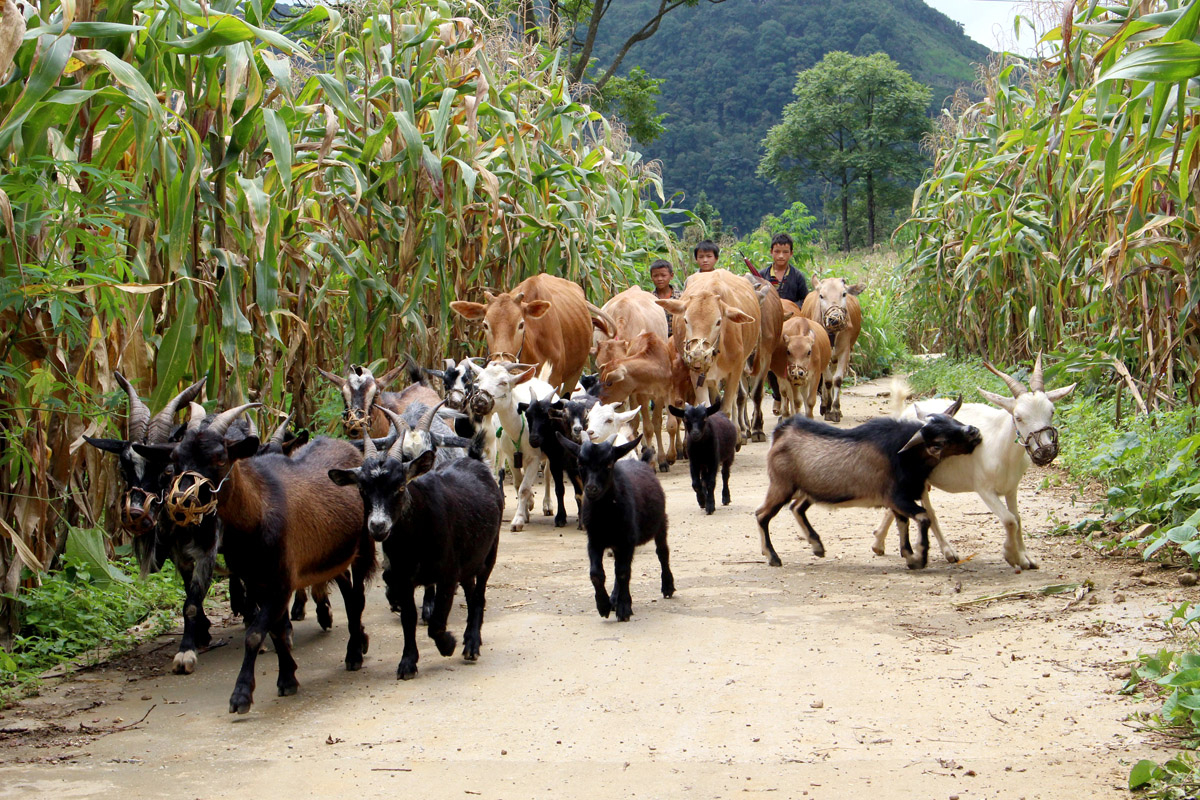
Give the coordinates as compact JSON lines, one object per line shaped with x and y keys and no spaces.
{"x":1167,"y":62}
{"x":87,"y":545}
{"x":1142,"y":773}
{"x":175,"y":351}
{"x":226,"y":30}
{"x":49,"y":62}
{"x":281,"y":148}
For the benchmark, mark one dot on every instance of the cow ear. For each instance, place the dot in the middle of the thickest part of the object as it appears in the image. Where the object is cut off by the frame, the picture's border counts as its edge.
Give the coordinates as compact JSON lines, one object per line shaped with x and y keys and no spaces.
{"x":536,"y":309}
{"x":856,"y":288}
{"x":489,"y":296}
{"x":468,"y":310}
{"x":737,"y":315}
{"x":345,"y":477}
{"x":816,"y":284}
{"x":674,"y":307}
{"x":788,"y":315}
{"x":117,"y":445}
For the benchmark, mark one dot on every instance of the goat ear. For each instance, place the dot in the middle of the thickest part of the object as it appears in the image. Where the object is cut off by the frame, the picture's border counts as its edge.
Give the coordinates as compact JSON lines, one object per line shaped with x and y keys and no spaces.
{"x":676,"y":411}
{"x":1007,"y":403}
{"x":243,"y":448}
{"x":522,"y":408}
{"x":345,"y":477}
{"x":1054,"y":395}
{"x":558,"y":405}
{"x":917,"y":440}
{"x":107,"y":445}
{"x":297,"y":441}
{"x":569,"y":444}
{"x":954,"y":407}
{"x":536,"y":309}
{"x":524,"y":376}
{"x":622,"y":450}
{"x":420,"y":465}
{"x":337,"y":380}
{"x":390,"y":375}
{"x":468,"y":310}
{"x":157,"y":452}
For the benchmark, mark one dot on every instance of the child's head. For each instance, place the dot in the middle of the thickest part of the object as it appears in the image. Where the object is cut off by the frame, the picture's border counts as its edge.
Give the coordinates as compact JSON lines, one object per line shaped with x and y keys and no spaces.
{"x":781,"y":248}
{"x":661,"y":273}
{"x":706,"y":254}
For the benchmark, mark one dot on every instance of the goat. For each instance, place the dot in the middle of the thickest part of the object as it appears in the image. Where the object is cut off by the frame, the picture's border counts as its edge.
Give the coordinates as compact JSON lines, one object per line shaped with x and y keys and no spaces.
{"x":458,"y":384}
{"x":881,"y":463}
{"x":286,"y":527}
{"x":440,"y":527}
{"x":604,"y":422}
{"x":577,"y":416}
{"x":545,"y":418}
{"x":1020,"y":432}
{"x":363,"y":393}
{"x":711,"y":443}
{"x":498,"y":390}
{"x":623,"y":507}
{"x":193,"y":550}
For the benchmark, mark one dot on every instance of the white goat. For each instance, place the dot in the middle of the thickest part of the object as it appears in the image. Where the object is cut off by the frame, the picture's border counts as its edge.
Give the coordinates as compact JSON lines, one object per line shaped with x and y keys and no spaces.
{"x":498,"y":389}
{"x":1022,"y":432}
{"x":605,"y":422}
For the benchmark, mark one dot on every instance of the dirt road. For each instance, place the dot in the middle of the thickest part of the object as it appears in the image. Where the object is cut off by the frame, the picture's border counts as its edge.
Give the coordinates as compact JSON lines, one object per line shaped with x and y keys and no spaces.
{"x":826,"y":678}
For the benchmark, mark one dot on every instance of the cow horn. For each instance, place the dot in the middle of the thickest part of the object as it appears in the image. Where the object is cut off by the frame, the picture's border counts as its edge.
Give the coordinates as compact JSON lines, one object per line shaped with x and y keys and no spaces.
{"x":139,"y":413}
{"x":369,"y":450}
{"x":281,"y":432}
{"x":602,"y":316}
{"x":1015,"y":386}
{"x":518,"y":297}
{"x":196,"y":415}
{"x":397,"y":450}
{"x":337,"y":380}
{"x":226,"y":418}
{"x":160,"y":426}
{"x":1036,"y":382}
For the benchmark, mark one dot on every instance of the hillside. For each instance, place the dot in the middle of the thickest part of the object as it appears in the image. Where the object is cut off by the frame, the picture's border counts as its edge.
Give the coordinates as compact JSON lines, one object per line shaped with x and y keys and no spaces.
{"x":729,"y":71}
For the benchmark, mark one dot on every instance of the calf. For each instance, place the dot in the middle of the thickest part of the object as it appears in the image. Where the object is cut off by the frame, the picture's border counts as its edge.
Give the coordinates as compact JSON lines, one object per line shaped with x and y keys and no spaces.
{"x":438,"y":527}
{"x":881,"y":463}
{"x":799,"y":361}
{"x":546,"y":418}
{"x":834,"y":305}
{"x":623,"y":507}
{"x":711,"y":443}
{"x":644,"y":377}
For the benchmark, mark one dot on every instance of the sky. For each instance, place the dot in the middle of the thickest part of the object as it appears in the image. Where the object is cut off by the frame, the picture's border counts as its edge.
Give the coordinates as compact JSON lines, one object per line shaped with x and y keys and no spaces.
{"x":990,"y":22}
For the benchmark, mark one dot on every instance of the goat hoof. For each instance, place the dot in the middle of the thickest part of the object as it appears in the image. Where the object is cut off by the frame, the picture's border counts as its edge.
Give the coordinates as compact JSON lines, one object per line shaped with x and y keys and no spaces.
{"x":297,"y":613}
{"x":668,"y":587}
{"x":726,"y":499}
{"x":560,"y":522}
{"x":663,"y":466}
{"x":624,"y":612}
{"x":950,"y":555}
{"x":774,"y":561}
{"x":879,"y":551}
{"x":366,"y":642}
{"x":185,"y":662}
{"x":446,"y":643}
{"x":517,"y":526}
{"x":406,"y":671}
{"x":354,"y":665}
{"x":289,"y":688}
{"x":239,"y":704}
{"x":604,"y":606}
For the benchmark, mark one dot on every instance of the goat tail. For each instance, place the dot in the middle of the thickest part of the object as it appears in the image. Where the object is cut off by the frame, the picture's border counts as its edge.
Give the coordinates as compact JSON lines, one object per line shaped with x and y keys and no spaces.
{"x":415,"y":373}
{"x":647,"y":455}
{"x":476,"y":448}
{"x":900,"y":392}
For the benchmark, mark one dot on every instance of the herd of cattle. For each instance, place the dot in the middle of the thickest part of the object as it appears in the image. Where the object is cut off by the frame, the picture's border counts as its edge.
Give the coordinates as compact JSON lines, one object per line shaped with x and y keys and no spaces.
{"x":421,"y":469}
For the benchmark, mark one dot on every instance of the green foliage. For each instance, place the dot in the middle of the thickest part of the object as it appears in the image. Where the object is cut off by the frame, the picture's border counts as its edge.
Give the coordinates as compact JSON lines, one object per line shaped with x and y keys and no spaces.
{"x":78,"y":610}
{"x":632,"y":98}
{"x":950,"y":377}
{"x":855,"y":126}
{"x":880,"y":349}
{"x":730,"y":68}
{"x":796,"y":222}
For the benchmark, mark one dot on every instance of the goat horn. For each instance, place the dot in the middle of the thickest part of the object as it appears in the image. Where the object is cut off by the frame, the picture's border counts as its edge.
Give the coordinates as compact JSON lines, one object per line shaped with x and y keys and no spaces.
{"x":369,"y":450}
{"x":426,"y":422}
{"x":338,"y":380}
{"x":252,"y":428}
{"x":160,"y":426}
{"x":139,"y":412}
{"x":226,"y":418}
{"x":1036,"y":383}
{"x":281,"y":432}
{"x":397,"y":450}
{"x":1015,"y":386}
{"x":196,"y":416}
{"x":449,"y":362}
{"x":954,"y":407}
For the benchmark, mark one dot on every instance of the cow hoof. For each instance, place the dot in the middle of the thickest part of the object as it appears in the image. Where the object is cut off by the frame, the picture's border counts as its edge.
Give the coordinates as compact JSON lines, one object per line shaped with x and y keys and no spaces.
{"x":758,"y":436}
{"x":185,"y":662}
{"x":663,"y":466}
{"x":775,"y":562}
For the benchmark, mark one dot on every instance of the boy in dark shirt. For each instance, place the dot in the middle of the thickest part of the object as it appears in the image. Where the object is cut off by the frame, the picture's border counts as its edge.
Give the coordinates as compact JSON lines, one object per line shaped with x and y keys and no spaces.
{"x":786,"y":279}
{"x":706,"y":254}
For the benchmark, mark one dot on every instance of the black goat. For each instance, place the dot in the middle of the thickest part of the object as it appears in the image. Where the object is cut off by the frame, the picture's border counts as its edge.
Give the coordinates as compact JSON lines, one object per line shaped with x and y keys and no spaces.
{"x":546,"y":418}
{"x":440,"y":527}
{"x":883,"y":463}
{"x":623,"y":507}
{"x":711,"y":444}
{"x":286,"y":527}
{"x":577,"y":415}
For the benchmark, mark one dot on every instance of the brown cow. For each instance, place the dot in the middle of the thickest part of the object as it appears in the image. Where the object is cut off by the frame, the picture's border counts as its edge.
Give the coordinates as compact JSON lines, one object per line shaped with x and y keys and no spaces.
{"x":543,"y":320}
{"x":771,"y":331}
{"x":833,"y":304}
{"x":642,"y":378}
{"x":799,"y":362}
{"x":635,"y":312}
{"x":363,"y":395}
{"x":683,"y":393}
{"x":717,"y":319}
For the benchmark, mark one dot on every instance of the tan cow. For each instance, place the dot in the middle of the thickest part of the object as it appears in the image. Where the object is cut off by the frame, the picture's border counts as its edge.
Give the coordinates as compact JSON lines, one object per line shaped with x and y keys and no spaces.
{"x":799,"y":362}
{"x":634,"y":312}
{"x":643,"y":377}
{"x":833,"y":304}
{"x":683,"y":393}
{"x":543,"y":320}
{"x":717,"y":320}
{"x":770,"y":333}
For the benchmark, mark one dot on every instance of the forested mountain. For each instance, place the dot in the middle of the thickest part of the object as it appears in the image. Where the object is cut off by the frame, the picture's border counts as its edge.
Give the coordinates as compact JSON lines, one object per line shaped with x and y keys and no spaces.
{"x":729,"y":71}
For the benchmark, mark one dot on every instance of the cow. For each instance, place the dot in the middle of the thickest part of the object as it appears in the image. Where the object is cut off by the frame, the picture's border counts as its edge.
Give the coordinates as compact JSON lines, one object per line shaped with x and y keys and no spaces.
{"x":799,"y":362}
{"x":771,"y":329}
{"x":642,"y":377}
{"x":634,"y":311}
{"x":717,"y":320}
{"x":833,"y":304}
{"x":543,"y":320}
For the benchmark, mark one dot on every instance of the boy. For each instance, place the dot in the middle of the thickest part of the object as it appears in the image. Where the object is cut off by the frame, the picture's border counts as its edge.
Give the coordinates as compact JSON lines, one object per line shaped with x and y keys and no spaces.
{"x":706,"y":254}
{"x":661,"y":273}
{"x":786,"y":279}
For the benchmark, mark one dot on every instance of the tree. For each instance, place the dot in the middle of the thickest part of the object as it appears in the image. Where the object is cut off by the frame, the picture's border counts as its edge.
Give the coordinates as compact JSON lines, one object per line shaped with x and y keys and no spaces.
{"x":855,"y":119}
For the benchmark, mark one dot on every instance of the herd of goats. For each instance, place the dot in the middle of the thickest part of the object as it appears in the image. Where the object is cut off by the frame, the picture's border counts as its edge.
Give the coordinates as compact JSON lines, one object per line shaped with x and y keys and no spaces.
{"x":420,"y":470}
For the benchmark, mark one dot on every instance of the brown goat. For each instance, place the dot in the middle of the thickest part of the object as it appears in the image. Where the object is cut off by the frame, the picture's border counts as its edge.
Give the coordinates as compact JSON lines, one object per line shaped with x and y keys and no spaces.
{"x":363,"y":395}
